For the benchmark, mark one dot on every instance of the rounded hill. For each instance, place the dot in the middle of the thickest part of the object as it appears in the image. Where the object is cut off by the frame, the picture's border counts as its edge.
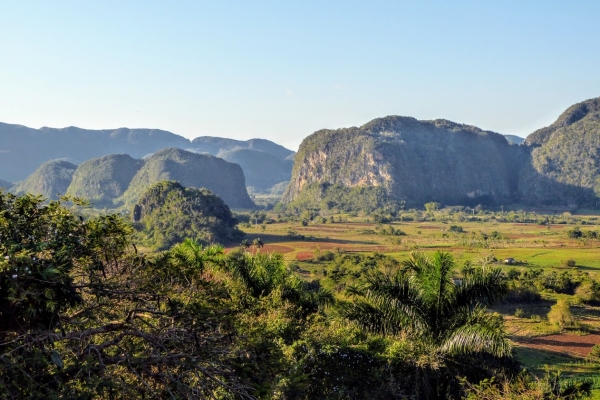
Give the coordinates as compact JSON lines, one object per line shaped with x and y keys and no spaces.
{"x":101,"y":180}
{"x":410,"y":160}
{"x":50,"y":179}
{"x":565,"y":159}
{"x":192,"y":170}
{"x":167,"y":213}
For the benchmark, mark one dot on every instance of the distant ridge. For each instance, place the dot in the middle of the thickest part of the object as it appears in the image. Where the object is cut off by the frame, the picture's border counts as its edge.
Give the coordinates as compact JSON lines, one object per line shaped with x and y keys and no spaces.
{"x":514,"y":139}
{"x":265,"y":163}
{"x":23,"y":150}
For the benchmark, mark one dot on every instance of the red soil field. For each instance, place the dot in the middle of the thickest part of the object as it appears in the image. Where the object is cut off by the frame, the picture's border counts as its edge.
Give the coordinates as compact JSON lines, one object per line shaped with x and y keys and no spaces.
{"x":304,"y":255}
{"x":567,"y":343}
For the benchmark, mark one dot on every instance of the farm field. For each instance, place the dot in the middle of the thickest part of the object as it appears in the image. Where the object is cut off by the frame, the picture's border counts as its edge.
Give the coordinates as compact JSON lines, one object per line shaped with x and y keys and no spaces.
{"x":539,"y":345}
{"x":530,"y":244}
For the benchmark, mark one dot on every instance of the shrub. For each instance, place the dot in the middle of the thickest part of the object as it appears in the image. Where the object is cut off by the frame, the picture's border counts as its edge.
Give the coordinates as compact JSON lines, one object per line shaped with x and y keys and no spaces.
{"x":560,"y":314}
{"x":594,"y":355}
{"x":588,"y":292}
{"x":519,"y":313}
{"x":456,"y":228}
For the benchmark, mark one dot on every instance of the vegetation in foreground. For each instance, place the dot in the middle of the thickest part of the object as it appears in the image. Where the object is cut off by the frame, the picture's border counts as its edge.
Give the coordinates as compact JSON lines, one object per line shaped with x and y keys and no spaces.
{"x":85,"y":315}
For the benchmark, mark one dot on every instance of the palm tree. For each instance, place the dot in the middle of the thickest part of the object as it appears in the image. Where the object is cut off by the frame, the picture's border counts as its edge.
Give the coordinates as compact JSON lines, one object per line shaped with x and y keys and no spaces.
{"x":444,"y":319}
{"x":262,"y":273}
{"x":257,"y":243}
{"x":191,"y":256}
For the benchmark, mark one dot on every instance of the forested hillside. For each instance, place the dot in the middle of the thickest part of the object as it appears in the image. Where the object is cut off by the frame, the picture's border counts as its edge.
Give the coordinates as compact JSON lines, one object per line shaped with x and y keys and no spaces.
{"x":565,"y":159}
{"x":102,"y":180}
{"x":167,"y":213}
{"x":50,"y":179}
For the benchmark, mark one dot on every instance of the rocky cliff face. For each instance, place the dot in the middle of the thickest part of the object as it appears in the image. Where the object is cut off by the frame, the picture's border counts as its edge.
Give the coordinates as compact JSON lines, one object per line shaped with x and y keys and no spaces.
{"x":415,"y":161}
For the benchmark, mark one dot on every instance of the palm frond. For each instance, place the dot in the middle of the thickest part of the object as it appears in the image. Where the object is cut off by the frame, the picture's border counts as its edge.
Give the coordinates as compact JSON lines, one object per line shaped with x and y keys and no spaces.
{"x":477,"y":338}
{"x":483,"y":285}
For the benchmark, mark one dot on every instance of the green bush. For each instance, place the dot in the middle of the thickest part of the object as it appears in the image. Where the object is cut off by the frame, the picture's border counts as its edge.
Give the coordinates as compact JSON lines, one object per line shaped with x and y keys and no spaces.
{"x":560,"y":314}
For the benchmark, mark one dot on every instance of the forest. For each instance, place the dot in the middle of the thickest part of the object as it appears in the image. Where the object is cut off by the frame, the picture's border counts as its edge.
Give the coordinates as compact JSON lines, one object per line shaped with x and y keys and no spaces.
{"x":89,"y":312}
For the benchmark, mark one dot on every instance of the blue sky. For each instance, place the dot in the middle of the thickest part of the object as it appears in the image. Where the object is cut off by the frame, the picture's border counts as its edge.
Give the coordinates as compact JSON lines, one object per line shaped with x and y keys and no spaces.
{"x":282,"y":69}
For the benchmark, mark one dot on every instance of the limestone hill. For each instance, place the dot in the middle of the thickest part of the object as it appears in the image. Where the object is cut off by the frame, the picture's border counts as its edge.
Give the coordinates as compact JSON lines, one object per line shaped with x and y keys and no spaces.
{"x":50,"y":179}
{"x":102,"y":180}
{"x":565,"y":159}
{"x":167,"y":213}
{"x":412,"y":161}
{"x":192,"y":170}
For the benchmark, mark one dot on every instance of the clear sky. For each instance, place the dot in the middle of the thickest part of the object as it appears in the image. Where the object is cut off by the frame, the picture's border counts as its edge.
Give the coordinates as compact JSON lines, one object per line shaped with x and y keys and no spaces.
{"x":282,"y":69}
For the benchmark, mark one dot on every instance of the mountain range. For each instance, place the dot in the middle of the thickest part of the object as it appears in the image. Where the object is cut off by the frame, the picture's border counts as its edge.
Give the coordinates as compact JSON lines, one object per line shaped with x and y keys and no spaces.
{"x":406,"y":160}
{"x":23,"y":150}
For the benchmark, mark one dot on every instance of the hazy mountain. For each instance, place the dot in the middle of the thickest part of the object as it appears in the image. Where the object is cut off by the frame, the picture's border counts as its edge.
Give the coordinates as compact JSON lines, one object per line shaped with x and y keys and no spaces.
{"x":215,"y":145}
{"x":24,"y":149}
{"x":565,"y":159}
{"x":50,"y":179}
{"x":413,"y":161}
{"x":5,"y":184}
{"x":101,"y":180}
{"x":193,"y":170}
{"x":514,"y":139}
{"x":265,"y":163}
{"x":262,"y":170}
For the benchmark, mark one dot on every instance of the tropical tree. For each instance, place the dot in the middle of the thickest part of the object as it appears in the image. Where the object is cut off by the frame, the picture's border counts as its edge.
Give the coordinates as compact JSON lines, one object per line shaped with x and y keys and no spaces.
{"x":443,"y":320}
{"x":257,"y":243}
{"x":245,"y":244}
{"x":190,"y":254}
{"x":84,"y":316}
{"x":263,"y":273}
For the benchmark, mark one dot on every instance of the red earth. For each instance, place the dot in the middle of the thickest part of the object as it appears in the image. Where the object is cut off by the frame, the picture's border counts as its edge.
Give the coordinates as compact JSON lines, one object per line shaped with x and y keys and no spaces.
{"x":569,"y":343}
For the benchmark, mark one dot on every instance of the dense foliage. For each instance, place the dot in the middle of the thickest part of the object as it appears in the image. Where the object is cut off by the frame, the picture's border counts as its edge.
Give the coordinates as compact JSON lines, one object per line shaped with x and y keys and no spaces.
{"x":444,"y":323}
{"x":84,"y":315}
{"x":167,"y":213}
{"x":324,"y":196}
